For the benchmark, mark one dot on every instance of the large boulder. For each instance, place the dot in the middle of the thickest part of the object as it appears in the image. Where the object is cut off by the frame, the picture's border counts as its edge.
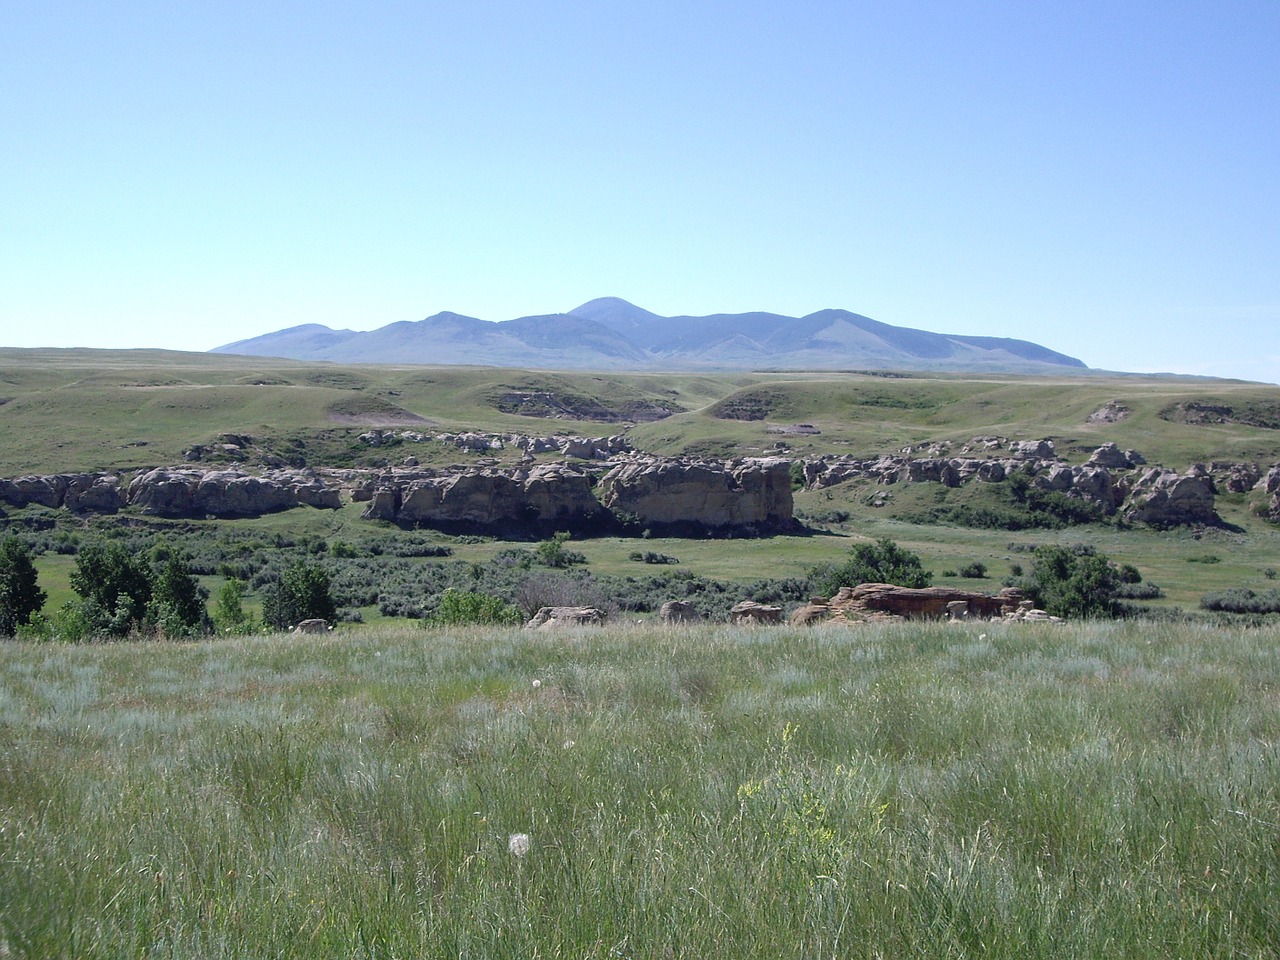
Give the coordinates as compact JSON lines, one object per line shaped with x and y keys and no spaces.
{"x":1163,"y":498}
{"x":1034,"y":449}
{"x":679,"y":611}
{"x":712,"y":495}
{"x":44,"y":491}
{"x":1111,"y":456}
{"x":750,"y":612}
{"x":93,"y":493}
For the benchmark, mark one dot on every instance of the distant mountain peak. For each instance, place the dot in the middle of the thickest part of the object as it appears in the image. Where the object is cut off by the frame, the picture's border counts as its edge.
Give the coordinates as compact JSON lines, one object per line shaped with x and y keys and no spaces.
{"x":610,"y":333}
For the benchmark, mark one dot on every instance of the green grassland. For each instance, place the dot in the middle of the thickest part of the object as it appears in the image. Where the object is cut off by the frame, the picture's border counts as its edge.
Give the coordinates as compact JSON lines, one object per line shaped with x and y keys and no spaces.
{"x":71,"y":410}
{"x":994,"y":790}
{"x":83,"y":409}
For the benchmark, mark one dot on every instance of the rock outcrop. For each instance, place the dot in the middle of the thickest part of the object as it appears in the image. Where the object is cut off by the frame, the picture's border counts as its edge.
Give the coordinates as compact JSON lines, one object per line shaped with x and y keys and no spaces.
{"x":78,"y":492}
{"x":679,"y":611}
{"x":551,"y":618}
{"x":578,"y":448}
{"x":165,"y":492}
{"x":1109,"y":479}
{"x":1163,"y":498}
{"x":870,"y":600}
{"x":750,"y":612}
{"x":749,"y":495}
{"x":534,"y":500}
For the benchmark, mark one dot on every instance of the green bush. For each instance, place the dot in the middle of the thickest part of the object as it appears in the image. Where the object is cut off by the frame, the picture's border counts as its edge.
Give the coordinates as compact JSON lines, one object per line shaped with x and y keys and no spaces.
{"x":458,"y":608}
{"x":1242,"y":600}
{"x":880,"y":562}
{"x":229,"y":615}
{"x":974,"y":571}
{"x":177,"y":605}
{"x":552,"y":553}
{"x":1073,"y":582}
{"x":302,"y":593}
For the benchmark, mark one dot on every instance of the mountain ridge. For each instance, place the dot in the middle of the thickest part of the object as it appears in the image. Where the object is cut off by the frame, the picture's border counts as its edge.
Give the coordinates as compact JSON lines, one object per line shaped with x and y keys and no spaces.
{"x":610,"y":333}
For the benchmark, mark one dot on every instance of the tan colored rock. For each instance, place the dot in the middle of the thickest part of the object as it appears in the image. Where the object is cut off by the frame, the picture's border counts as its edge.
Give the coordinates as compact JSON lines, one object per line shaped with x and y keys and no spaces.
{"x":1163,"y":498}
{"x":311,"y":626}
{"x":679,"y":611}
{"x":552,"y":618}
{"x":715,"y":495}
{"x":854,"y":603}
{"x":750,"y":612}
{"x":815,"y":611}
{"x":546,"y":497}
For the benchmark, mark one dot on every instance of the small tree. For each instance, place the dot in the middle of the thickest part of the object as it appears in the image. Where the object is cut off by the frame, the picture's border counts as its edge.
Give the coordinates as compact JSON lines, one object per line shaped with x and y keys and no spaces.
{"x":880,"y":562}
{"x":114,"y":586}
{"x":228,"y":609}
{"x":552,"y":553}
{"x":20,"y":595}
{"x":303,"y":593}
{"x":1073,"y":582}
{"x":177,"y":605}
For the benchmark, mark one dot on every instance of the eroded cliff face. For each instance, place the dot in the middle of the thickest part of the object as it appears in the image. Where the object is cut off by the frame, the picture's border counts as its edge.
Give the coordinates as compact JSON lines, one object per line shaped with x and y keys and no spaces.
{"x":743,"y":496}
{"x":749,"y":494}
{"x":532,"y":501}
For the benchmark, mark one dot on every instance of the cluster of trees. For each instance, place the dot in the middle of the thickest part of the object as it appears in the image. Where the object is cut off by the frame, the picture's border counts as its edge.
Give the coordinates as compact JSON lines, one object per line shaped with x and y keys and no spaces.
{"x":123,"y":590}
{"x":123,"y":593}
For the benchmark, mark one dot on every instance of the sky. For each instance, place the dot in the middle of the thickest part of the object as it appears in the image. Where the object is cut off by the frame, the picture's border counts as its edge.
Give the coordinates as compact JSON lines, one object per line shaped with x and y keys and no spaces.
{"x":1099,"y":176}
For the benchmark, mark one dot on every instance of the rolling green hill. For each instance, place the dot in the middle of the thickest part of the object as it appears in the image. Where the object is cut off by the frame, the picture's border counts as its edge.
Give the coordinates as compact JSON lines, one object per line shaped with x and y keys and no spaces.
{"x":63,"y":410}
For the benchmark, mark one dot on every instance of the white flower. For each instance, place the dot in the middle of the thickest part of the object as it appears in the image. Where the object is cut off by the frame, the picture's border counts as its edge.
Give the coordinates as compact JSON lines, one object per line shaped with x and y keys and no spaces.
{"x":537,"y":684}
{"x":568,"y":744}
{"x":518,"y":844}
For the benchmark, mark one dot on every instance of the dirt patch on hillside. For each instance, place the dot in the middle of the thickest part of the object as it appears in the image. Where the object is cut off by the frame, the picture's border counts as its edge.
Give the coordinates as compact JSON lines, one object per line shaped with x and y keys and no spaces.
{"x":371,"y":411}
{"x":559,"y":405}
{"x":749,"y":405}
{"x":337,"y":380}
{"x":1211,"y":411}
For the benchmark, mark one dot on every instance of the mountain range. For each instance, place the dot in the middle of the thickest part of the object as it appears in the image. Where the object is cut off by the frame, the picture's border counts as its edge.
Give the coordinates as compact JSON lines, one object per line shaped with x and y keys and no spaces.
{"x":612,"y":334}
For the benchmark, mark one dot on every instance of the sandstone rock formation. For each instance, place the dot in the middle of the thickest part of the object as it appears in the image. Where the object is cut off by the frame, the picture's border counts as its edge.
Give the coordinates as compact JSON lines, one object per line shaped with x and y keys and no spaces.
{"x":750,"y":612}
{"x":1163,"y":498}
{"x":815,"y":611}
{"x":1108,"y":479}
{"x":868,"y":600}
{"x":579,"y":448}
{"x":78,"y":492}
{"x":551,"y":618}
{"x":540,"y":499}
{"x":311,"y":626}
{"x":754,"y":495}
{"x":679,"y":611}
{"x":166,"y":492}
{"x":1111,"y":456}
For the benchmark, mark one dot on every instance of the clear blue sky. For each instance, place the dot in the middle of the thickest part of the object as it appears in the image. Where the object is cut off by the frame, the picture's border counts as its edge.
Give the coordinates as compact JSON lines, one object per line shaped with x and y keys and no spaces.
{"x":1102,"y":176}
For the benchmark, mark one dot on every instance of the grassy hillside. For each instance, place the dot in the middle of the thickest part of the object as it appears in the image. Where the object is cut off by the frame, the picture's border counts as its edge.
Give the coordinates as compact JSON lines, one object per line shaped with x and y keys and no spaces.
{"x":1006,"y":790}
{"x":83,"y":410}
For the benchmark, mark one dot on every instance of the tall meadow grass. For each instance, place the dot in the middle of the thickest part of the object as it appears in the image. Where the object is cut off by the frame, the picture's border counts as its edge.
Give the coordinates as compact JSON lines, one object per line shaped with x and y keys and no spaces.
{"x":990,"y":790}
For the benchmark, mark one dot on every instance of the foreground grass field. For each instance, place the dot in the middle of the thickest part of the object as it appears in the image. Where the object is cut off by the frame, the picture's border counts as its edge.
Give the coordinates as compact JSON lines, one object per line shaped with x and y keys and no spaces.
{"x":992,"y":790}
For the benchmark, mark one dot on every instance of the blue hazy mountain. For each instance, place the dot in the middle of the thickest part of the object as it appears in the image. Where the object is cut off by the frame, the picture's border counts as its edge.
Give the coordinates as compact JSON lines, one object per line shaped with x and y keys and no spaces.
{"x":612,"y":334}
